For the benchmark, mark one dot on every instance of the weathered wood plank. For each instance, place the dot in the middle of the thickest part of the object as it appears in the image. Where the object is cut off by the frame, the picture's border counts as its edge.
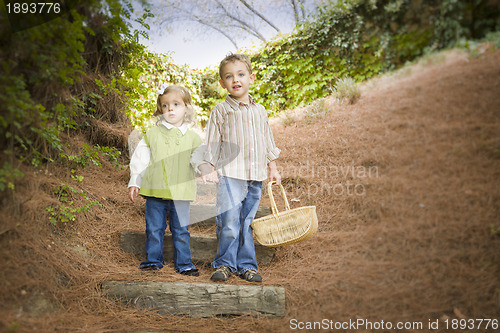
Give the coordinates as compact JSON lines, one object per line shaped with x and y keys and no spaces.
{"x":199,"y":299}
{"x":204,"y":214}
{"x":203,"y":248}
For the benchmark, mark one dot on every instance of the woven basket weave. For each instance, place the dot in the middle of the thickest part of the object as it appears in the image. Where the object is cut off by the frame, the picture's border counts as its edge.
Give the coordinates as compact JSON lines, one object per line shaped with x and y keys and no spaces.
{"x":285,"y":227}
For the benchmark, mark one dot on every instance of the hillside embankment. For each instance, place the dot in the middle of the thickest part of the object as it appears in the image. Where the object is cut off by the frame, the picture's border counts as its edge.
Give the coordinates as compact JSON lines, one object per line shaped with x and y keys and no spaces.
{"x":406,"y":184}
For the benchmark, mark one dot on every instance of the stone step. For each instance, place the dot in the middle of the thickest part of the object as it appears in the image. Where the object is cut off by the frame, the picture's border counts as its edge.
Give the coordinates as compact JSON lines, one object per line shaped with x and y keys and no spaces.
{"x":199,"y":299}
{"x":203,"y":248}
{"x":204,"y":214}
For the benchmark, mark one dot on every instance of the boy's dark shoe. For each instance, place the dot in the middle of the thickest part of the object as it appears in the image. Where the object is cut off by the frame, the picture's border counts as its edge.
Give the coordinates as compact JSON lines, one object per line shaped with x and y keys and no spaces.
{"x":150,"y":268}
{"x":191,"y":272}
{"x":222,"y":273}
{"x":251,"y":276}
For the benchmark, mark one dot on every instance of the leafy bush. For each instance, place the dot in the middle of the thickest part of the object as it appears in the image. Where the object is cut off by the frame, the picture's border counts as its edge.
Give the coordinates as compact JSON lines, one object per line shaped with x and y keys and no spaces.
{"x":42,"y":73}
{"x":361,"y":39}
{"x":148,"y":71}
{"x":67,"y":211}
{"x":8,"y":175}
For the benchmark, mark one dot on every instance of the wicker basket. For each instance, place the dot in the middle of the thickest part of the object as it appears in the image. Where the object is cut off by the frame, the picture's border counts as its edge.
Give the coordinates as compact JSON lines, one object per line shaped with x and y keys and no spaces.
{"x":285,"y":227}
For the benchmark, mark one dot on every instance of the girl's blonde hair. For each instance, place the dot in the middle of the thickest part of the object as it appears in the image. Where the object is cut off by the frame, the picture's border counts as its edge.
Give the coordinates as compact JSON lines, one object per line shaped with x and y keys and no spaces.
{"x":190,"y":115}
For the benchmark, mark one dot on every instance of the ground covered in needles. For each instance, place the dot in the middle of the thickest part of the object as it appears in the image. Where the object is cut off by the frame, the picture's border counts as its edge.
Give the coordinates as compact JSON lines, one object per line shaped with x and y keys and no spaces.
{"x":406,"y":184}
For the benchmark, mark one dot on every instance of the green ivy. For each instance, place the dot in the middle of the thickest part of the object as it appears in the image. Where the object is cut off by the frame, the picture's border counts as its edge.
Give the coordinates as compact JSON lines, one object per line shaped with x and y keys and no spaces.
{"x":148,"y":71}
{"x":66,"y":211}
{"x":8,"y":175}
{"x":360,"y":39}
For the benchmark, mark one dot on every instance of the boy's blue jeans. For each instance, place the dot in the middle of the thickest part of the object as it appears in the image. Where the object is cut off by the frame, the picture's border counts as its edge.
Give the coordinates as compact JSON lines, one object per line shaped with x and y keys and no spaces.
{"x":237,"y":203}
{"x":156,"y":223}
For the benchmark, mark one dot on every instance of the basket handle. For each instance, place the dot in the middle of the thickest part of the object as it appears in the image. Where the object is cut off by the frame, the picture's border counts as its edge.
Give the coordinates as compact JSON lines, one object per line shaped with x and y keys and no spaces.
{"x":271,"y":197}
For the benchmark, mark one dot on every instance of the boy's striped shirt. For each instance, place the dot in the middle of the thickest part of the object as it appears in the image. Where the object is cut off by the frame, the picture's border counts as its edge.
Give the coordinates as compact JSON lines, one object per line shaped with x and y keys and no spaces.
{"x":239,"y":141}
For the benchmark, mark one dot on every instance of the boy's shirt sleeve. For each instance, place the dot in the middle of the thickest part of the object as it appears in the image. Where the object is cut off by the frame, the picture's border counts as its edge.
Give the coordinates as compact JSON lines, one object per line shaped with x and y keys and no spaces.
{"x":197,"y":154}
{"x":139,"y":163}
{"x":273,"y":152}
{"x":213,"y":139}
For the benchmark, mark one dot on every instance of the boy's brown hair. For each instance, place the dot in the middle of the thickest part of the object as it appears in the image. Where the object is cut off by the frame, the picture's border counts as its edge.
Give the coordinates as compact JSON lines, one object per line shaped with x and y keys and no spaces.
{"x":232,"y":57}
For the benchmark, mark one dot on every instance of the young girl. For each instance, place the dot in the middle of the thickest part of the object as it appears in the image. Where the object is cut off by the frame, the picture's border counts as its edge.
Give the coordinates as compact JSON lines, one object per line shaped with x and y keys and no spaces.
{"x":160,"y":171}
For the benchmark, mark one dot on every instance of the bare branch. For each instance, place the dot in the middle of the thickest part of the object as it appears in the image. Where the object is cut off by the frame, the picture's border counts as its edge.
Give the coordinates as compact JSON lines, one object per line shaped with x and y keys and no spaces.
{"x":253,"y":10}
{"x":303,"y":8}
{"x":295,"y":11}
{"x":244,"y":25}
{"x":216,"y":28}
{"x":235,"y":20}
{"x":207,"y":23}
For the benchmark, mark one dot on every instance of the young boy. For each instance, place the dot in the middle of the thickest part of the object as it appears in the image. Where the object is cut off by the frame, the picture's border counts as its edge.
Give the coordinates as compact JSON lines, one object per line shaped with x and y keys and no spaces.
{"x":239,"y":149}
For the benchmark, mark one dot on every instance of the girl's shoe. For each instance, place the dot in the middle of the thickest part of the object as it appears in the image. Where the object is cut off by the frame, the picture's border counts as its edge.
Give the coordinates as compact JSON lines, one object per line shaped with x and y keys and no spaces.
{"x":191,"y":272}
{"x":222,"y":273}
{"x":251,"y":276}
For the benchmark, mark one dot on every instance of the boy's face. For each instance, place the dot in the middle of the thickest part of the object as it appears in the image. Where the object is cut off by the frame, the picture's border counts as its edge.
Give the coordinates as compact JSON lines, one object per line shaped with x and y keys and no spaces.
{"x":236,"y":79}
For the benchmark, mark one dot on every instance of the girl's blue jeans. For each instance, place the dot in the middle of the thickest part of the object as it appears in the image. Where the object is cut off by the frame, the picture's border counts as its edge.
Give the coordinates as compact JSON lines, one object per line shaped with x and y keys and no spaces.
{"x":237,"y":203}
{"x":156,"y":223}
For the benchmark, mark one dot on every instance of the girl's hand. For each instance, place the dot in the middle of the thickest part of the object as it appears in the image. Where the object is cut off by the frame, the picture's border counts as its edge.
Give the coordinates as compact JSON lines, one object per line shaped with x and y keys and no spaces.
{"x":211,"y":177}
{"x":208,"y":173}
{"x":133,"y":193}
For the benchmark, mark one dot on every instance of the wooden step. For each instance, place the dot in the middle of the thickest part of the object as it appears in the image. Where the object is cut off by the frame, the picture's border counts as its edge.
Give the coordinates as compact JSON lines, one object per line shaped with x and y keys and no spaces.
{"x":204,"y":214}
{"x":203,"y":248}
{"x":199,"y":299}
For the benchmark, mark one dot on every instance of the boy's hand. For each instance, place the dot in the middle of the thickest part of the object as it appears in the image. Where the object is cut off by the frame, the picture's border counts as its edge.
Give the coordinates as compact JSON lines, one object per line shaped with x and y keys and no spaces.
{"x":208,"y":173}
{"x":273,"y":172}
{"x":133,"y":193}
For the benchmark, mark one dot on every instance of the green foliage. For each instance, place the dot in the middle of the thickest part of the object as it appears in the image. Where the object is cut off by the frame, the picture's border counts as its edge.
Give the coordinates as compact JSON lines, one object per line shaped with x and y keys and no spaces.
{"x":87,"y":156}
{"x":41,"y":73}
{"x":494,"y":231}
{"x":13,"y":326}
{"x":148,"y":71}
{"x":60,"y":77}
{"x":90,"y":156}
{"x":112,"y":154}
{"x":67,"y":211}
{"x":360,"y":39}
{"x":7,"y":176}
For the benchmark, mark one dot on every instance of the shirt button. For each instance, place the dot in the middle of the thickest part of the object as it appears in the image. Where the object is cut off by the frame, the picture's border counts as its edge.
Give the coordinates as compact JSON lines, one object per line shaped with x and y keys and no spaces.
{"x":178,"y":142}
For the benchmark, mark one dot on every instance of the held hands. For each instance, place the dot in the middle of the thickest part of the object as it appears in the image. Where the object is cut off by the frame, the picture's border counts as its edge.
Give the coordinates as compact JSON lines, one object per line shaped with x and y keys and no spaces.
{"x":208,"y":173}
{"x":133,"y":193}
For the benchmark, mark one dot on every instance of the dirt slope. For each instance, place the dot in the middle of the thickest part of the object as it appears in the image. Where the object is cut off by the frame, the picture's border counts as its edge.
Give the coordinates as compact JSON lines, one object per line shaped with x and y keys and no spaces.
{"x":406,"y":182}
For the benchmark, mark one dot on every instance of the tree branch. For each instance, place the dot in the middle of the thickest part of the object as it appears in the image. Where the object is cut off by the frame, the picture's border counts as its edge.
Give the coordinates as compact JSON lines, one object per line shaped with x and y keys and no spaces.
{"x":219,"y":30}
{"x":295,"y":11}
{"x":253,"y":10}
{"x":244,"y":25}
{"x":303,"y":8}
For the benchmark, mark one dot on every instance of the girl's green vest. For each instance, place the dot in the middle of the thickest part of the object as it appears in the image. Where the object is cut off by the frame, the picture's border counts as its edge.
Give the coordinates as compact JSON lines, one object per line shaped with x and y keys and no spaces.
{"x":169,"y":174}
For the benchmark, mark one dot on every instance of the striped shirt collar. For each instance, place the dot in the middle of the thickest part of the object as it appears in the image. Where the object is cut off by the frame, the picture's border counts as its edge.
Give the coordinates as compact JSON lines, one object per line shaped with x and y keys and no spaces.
{"x":183,"y":128}
{"x":235,"y":104}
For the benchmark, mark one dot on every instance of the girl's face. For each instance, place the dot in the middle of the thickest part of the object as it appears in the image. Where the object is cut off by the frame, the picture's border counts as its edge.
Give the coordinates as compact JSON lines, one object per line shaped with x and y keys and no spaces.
{"x":173,"y":108}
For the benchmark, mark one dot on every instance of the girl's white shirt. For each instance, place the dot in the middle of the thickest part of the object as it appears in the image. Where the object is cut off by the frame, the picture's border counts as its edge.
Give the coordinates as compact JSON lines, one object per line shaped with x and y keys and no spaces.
{"x":142,"y":155}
